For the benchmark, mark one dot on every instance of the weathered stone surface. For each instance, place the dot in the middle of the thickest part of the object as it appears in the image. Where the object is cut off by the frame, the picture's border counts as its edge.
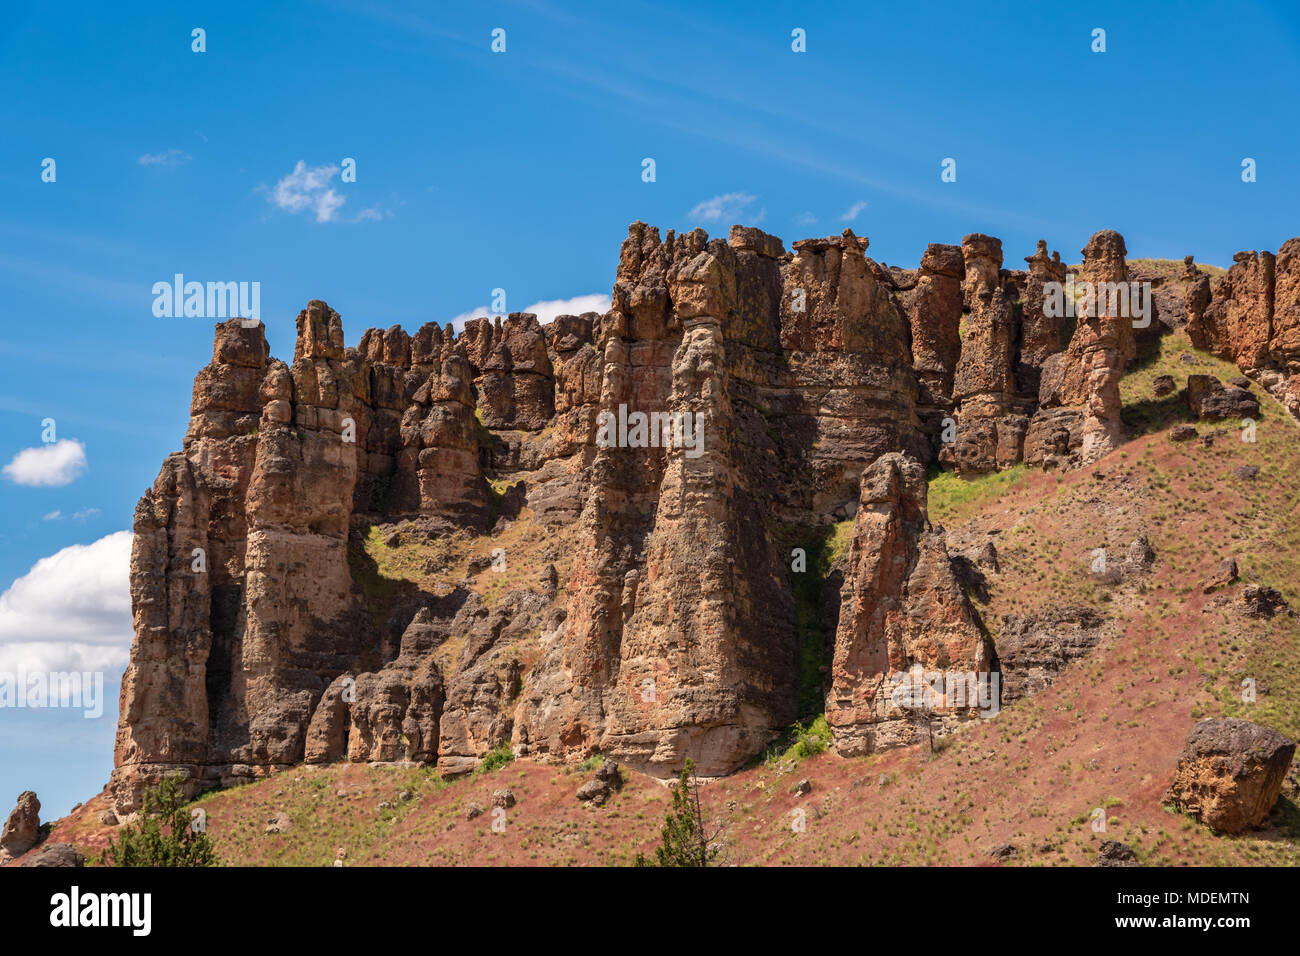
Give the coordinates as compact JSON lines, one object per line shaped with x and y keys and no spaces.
{"x":56,"y":855}
{"x":1086,"y":377}
{"x":1114,"y":853}
{"x":935,"y":310}
{"x":903,"y":609}
{"x":602,"y":786}
{"x":1230,"y":773}
{"x":23,"y":826}
{"x":1041,"y":331}
{"x":990,"y":424}
{"x":1251,"y":316}
{"x":672,"y":631}
{"x":1209,"y":399}
{"x":1033,"y":649}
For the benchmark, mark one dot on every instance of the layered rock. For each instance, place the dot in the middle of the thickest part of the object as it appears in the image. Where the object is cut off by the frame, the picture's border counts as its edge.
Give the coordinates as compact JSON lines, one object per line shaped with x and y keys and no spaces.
{"x":245,"y":604}
{"x":990,"y":423}
{"x":904,"y":616}
{"x":1251,"y":316}
{"x":1078,"y":420}
{"x":935,"y":311}
{"x":1033,"y":649}
{"x":782,"y":390}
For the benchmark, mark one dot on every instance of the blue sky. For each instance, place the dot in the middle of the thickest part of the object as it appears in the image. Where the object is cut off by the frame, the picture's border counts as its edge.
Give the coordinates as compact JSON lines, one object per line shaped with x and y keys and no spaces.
{"x":521,"y":170}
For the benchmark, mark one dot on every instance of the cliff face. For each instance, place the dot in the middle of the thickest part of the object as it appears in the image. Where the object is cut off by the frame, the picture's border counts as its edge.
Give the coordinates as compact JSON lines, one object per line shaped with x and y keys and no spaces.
{"x":784,"y":391}
{"x":1251,"y":316}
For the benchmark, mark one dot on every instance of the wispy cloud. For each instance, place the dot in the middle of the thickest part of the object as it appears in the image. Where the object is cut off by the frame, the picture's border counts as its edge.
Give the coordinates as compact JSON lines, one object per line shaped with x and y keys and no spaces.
{"x":805,"y":219}
{"x":82,"y":515}
{"x":50,"y":466}
{"x":168,"y":158}
{"x":728,"y":206}
{"x":853,"y":211}
{"x":309,"y":190}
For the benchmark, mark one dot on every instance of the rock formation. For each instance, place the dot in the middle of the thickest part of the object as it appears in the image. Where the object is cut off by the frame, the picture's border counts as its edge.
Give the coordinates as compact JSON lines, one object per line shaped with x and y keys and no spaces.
{"x":1251,"y":316}
{"x":659,"y":458}
{"x":1078,"y":420}
{"x":904,"y":615}
{"x":990,"y":426}
{"x":1230,"y":773}
{"x":22,"y":828}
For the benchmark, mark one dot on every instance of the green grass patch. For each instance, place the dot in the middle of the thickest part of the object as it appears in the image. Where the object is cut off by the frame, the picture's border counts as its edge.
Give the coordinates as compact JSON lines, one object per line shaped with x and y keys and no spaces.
{"x":953,"y":499}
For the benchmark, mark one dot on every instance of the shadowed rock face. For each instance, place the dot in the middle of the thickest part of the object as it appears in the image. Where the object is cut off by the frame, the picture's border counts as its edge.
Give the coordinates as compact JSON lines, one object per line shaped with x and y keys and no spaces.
{"x":990,"y":426}
{"x":817,"y":383}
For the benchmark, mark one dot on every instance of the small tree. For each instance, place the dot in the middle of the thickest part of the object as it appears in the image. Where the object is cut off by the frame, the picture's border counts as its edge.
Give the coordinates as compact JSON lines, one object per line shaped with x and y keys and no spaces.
{"x":683,"y":840}
{"x":163,"y":837}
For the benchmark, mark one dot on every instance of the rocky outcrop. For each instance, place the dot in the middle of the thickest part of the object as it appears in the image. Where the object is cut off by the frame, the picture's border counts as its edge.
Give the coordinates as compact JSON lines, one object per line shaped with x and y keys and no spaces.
{"x":733,"y":392}
{"x":1032,"y":650}
{"x":247,"y":610}
{"x":904,"y":616}
{"x":935,"y":311}
{"x":22,"y":828}
{"x":1078,"y":420}
{"x":56,"y":855}
{"x":602,"y":786}
{"x":1230,"y":773}
{"x":1251,"y":316}
{"x":991,"y":424}
{"x":1210,"y":399}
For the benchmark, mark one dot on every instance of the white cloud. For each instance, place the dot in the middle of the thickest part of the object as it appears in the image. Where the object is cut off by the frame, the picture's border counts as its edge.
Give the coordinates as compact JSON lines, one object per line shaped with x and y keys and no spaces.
{"x":853,"y":212}
{"x":170,"y":157}
{"x":55,"y":515}
{"x":728,"y":206}
{"x":805,"y":219}
{"x":86,"y":513}
{"x":71,"y":611}
{"x":60,"y":463}
{"x":309,"y":189}
{"x":546,"y":310}
{"x":458,"y":321}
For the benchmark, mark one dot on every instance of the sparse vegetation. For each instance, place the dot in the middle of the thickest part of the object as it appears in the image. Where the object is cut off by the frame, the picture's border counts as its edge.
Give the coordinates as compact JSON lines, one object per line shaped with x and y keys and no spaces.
{"x":165,"y":836}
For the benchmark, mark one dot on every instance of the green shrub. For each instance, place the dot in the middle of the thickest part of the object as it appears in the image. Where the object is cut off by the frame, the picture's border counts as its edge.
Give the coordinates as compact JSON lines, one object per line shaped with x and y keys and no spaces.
{"x":683,"y":840}
{"x":163,"y":836}
{"x":496,"y":758}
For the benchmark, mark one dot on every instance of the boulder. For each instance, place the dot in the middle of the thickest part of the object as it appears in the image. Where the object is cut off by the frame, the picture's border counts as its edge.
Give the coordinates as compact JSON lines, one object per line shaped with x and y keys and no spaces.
{"x":603,"y":785}
{"x":1261,"y":601}
{"x":1224,"y":573}
{"x":56,"y":855}
{"x":1114,"y":853}
{"x":1230,"y":773}
{"x":22,"y":829}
